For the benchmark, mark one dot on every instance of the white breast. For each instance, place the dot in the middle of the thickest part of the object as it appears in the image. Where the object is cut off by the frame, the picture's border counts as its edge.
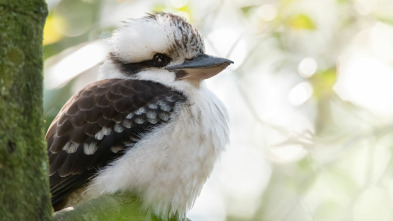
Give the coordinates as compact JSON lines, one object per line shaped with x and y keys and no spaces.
{"x":170,"y":165}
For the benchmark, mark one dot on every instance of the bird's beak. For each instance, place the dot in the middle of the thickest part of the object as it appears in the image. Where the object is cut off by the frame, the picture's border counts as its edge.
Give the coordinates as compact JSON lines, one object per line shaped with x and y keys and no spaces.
{"x":201,"y":67}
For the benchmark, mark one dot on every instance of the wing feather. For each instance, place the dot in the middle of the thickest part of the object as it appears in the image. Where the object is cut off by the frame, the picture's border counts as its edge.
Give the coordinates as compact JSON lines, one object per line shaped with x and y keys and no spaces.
{"x":102,"y":121}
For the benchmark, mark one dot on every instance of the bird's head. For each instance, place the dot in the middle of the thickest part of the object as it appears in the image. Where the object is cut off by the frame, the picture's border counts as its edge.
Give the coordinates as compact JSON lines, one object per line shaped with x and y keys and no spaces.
{"x":160,"y":47}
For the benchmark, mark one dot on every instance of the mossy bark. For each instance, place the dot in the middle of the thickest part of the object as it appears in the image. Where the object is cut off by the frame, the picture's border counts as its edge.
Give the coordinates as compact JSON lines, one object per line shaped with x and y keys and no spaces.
{"x":24,"y":185}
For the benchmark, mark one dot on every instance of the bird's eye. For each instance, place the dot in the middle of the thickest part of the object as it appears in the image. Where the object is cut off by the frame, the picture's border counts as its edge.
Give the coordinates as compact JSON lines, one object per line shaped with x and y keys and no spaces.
{"x":160,"y":60}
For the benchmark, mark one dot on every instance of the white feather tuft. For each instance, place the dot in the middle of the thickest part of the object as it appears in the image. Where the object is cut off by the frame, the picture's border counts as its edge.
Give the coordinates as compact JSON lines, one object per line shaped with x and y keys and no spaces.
{"x":170,"y":165}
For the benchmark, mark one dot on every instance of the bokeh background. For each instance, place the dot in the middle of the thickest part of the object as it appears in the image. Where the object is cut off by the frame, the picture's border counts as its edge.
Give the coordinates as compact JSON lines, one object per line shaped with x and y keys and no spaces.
{"x":310,"y":98}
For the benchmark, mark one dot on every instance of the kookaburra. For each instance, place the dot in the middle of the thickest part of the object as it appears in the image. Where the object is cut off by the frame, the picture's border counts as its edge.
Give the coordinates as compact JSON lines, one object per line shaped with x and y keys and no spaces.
{"x":149,"y":127}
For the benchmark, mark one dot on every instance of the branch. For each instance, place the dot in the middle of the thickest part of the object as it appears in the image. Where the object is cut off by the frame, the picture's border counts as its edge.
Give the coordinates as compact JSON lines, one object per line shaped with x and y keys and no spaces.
{"x":107,"y":208}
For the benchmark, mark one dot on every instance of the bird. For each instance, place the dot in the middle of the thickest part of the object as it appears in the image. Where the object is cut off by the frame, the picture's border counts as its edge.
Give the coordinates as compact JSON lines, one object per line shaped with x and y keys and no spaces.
{"x":148,"y":126}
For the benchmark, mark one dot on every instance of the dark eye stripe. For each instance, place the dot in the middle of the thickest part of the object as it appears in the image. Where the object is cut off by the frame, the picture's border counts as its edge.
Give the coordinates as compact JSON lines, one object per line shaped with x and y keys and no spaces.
{"x":159,"y":60}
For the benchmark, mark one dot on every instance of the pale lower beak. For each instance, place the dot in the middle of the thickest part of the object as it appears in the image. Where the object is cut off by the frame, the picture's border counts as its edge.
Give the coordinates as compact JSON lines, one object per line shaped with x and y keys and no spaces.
{"x":201,"y":67}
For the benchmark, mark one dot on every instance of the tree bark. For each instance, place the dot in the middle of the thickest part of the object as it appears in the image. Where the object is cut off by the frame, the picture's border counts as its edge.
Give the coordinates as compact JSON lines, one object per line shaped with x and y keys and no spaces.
{"x":24,"y":185}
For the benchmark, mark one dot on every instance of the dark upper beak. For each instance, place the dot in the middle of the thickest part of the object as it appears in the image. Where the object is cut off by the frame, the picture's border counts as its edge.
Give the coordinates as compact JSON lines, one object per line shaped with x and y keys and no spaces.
{"x":201,"y":67}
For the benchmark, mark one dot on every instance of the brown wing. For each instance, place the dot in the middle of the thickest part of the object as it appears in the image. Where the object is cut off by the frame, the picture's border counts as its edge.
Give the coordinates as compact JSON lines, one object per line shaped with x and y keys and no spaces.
{"x":98,"y":124}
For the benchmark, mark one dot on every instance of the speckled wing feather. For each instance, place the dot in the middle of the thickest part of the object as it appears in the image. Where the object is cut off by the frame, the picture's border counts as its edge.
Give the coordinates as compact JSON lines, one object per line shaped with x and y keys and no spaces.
{"x":98,"y":124}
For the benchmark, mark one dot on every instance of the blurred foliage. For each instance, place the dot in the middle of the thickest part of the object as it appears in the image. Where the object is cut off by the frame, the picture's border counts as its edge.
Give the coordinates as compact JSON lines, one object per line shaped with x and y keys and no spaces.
{"x":183,"y":10}
{"x":323,"y":82}
{"x":52,"y":29}
{"x":337,"y":159}
{"x":301,"y":21}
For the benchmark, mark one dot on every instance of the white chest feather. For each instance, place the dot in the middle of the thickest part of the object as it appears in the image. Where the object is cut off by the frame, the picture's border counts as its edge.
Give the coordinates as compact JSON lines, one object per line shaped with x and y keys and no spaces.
{"x":170,"y":165}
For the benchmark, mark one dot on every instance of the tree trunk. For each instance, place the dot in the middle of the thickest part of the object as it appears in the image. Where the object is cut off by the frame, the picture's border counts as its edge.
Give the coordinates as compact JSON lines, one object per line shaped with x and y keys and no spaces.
{"x":24,"y":185}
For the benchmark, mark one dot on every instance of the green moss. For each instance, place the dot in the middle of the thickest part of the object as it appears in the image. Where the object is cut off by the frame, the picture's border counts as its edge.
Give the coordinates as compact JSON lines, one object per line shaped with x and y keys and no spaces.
{"x":15,"y":56}
{"x":24,"y":186}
